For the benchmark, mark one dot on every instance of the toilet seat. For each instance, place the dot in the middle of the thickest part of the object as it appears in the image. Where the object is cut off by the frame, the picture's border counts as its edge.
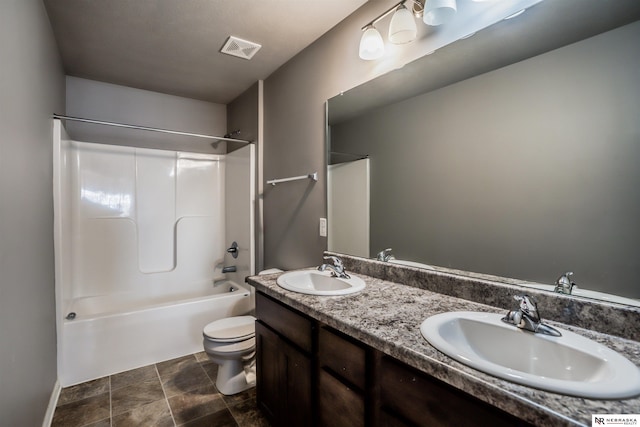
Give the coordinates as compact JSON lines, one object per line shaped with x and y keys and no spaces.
{"x":223,"y":349}
{"x":237,"y":329}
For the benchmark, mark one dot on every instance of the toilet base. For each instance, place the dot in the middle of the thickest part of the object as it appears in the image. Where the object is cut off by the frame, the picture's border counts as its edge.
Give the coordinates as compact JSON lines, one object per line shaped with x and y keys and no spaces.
{"x":232,"y":378}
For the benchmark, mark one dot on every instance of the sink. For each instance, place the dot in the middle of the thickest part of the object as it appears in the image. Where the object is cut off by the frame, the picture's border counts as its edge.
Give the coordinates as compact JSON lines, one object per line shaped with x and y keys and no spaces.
{"x":570,"y":364}
{"x":314,"y":282}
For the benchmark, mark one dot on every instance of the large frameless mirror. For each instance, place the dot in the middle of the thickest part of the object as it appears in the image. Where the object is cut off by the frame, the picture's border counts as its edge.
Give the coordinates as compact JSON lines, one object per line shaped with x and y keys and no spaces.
{"x":514,"y":152}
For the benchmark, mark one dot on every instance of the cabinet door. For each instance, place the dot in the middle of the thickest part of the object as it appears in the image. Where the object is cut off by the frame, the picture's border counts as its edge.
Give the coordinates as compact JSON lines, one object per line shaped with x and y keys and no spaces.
{"x":345,"y":357}
{"x":388,"y":419}
{"x":338,"y":404}
{"x":269,"y":364}
{"x":296,"y":375}
{"x":417,"y":399}
{"x":283,"y":388}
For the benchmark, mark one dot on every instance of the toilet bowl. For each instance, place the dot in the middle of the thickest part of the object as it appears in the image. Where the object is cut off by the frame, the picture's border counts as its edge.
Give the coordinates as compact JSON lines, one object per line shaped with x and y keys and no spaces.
{"x":231,"y":344}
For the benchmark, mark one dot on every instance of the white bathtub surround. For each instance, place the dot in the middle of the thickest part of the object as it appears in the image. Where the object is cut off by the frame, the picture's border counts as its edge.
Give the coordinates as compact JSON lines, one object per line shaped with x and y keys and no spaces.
{"x":141,"y":238}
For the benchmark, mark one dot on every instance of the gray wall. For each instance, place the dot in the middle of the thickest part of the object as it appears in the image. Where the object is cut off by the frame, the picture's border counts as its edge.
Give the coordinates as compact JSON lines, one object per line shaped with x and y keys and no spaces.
{"x":243,"y":114}
{"x":31,"y":89}
{"x":526,"y":172}
{"x":294,"y":140}
{"x":121,"y":104}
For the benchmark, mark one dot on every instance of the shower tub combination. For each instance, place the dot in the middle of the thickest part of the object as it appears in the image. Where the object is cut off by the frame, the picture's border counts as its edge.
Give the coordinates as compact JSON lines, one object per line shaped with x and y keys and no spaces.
{"x":111,"y":334}
{"x":140,"y":239}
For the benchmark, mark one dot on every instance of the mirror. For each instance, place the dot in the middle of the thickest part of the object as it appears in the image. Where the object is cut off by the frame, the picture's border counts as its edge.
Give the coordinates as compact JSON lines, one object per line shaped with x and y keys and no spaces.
{"x":515,"y":152}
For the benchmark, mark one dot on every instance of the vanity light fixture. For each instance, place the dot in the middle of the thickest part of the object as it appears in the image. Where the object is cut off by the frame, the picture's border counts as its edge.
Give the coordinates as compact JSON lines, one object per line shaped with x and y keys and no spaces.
{"x":371,"y":44}
{"x":402,"y":28}
{"x":438,"y":12}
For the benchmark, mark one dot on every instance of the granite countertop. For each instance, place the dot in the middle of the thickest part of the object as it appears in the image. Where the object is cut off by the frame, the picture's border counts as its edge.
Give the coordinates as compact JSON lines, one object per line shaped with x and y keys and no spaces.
{"x":387,"y":316}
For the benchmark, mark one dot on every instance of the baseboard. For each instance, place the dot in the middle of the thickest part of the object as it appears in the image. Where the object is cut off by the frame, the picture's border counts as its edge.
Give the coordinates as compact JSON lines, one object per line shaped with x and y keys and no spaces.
{"x":53,"y":401}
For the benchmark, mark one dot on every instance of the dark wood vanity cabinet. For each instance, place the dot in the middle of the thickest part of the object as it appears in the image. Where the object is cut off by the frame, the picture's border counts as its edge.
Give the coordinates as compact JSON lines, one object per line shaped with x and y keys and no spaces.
{"x":342,"y":380}
{"x":283,"y":364}
{"x":409,"y":397}
{"x":311,"y":375}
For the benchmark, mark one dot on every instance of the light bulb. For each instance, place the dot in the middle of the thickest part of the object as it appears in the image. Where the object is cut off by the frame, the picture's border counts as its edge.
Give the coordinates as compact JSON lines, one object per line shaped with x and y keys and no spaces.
{"x":371,"y":44}
{"x":438,"y":12}
{"x":402,"y":28}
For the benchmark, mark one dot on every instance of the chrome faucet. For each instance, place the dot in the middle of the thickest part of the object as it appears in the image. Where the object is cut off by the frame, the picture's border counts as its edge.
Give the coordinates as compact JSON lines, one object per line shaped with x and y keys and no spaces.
{"x":528,"y":318}
{"x":337,"y":268}
{"x":385,"y":255}
{"x":564,"y":285}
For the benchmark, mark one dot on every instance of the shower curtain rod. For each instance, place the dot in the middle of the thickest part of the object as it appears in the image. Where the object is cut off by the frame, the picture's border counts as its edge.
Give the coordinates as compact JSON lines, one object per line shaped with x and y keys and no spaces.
{"x":173,"y":132}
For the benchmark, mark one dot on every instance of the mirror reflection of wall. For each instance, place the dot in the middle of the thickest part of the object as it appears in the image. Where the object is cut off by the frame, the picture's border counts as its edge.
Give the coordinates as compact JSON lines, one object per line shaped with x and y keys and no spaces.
{"x":348,"y":193}
{"x":526,"y":172}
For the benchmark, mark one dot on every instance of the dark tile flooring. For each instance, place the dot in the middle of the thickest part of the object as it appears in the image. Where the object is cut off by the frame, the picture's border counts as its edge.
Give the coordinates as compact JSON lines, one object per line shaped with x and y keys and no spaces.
{"x":178,"y":392}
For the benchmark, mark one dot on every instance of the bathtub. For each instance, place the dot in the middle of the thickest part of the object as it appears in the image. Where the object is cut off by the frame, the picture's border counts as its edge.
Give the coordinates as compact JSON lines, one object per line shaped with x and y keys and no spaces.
{"x":114,"y":333}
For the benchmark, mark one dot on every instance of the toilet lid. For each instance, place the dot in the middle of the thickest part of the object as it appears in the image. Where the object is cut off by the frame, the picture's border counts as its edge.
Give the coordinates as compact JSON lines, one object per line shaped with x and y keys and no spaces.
{"x":231,"y":329}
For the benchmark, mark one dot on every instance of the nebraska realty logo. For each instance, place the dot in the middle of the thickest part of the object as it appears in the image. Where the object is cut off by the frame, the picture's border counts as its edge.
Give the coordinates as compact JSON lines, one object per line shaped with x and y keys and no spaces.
{"x":615,"y":420}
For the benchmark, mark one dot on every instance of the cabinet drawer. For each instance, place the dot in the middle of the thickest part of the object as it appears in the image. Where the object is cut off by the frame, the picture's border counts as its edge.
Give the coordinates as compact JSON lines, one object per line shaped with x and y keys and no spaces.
{"x":426,"y":401}
{"x":338,"y":404}
{"x":342,"y":356}
{"x":291,"y":325}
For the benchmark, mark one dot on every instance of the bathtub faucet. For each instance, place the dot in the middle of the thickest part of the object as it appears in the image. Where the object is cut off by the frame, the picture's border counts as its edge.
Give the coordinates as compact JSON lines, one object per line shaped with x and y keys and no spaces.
{"x":229,"y":269}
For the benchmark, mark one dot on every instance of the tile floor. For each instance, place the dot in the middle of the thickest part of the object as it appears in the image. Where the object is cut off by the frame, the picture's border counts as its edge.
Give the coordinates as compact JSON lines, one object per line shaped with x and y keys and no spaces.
{"x":178,"y":392}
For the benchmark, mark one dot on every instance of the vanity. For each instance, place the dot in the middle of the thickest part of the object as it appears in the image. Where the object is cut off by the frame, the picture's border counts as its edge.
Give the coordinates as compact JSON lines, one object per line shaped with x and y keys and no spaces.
{"x":360,"y":359}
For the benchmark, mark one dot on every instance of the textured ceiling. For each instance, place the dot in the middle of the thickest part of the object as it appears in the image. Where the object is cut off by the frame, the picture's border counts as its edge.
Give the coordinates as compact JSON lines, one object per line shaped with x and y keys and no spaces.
{"x":173,"y":46}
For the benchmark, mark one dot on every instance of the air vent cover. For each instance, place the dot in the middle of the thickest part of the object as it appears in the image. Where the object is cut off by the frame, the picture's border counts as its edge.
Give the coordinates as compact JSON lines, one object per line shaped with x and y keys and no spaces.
{"x":240,"y":48}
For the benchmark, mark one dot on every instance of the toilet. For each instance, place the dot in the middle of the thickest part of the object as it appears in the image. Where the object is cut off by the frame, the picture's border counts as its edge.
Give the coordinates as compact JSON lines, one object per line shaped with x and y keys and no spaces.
{"x":231,"y":343}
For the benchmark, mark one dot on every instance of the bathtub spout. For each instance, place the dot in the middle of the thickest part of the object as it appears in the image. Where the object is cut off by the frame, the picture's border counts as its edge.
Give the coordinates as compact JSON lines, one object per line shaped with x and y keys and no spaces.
{"x":229,"y":269}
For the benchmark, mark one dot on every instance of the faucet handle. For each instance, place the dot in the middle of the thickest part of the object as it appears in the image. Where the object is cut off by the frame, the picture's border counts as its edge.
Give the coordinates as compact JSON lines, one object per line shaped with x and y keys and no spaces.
{"x":233,"y":250}
{"x":335,"y":260}
{"x":528,"y":305}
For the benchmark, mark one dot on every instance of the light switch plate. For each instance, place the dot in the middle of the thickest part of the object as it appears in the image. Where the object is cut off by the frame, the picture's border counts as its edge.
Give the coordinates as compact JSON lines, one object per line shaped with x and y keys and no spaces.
{"x":323,"y":227}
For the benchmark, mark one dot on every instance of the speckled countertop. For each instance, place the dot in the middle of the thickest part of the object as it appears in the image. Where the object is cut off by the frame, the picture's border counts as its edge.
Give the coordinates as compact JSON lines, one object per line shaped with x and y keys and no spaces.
{"x":387,"y":317}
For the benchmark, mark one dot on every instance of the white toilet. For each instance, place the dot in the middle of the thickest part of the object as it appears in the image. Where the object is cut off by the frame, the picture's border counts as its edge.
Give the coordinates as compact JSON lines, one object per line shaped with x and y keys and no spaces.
{"x":231,"y":343}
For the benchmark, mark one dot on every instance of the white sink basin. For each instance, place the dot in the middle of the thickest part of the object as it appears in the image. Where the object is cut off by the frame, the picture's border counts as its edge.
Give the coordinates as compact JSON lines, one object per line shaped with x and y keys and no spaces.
{"x":570,"y":364}
{"x":314,"y":282}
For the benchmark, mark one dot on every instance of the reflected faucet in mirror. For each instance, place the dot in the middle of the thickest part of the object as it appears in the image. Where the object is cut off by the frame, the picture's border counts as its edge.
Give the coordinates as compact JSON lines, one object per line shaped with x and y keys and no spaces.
{"x":385,"y":255}
{"x":564,"y":285}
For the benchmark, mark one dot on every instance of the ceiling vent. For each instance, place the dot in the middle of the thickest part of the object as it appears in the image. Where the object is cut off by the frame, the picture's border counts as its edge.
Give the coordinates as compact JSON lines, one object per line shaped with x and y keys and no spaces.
{"x":241,"y":48}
